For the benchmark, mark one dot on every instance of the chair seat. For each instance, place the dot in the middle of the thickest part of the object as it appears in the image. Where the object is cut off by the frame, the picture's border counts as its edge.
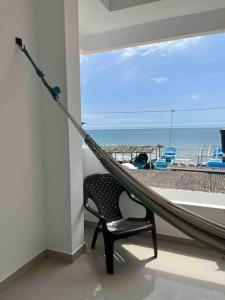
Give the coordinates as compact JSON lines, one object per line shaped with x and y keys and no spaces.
{"x":130,"y":225}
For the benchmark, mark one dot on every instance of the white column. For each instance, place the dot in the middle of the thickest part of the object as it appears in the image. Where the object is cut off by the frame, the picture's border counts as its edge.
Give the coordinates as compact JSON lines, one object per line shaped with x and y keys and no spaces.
{"x":74,"y":106}
{"x":59,"y":58}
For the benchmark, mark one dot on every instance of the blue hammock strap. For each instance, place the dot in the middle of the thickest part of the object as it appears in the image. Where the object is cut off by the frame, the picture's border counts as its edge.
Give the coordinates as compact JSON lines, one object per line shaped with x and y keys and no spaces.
{"x":54,"y":91}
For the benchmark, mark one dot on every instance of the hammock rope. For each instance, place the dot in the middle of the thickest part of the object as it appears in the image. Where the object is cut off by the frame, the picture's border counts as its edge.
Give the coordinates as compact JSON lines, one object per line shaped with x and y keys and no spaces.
{"x":197,"y":227}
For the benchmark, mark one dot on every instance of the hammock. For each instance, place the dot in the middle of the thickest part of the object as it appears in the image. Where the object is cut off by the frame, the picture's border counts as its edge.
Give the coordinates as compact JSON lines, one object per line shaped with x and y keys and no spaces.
{"x":197,"y":227}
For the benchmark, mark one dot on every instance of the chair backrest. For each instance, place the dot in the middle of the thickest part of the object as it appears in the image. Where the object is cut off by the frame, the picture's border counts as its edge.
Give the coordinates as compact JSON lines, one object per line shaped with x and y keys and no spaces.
{"x":105,"y":191}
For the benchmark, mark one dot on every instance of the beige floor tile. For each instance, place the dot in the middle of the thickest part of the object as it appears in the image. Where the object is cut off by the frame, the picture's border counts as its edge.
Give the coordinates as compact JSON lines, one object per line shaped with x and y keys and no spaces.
{"x":179,"y":273}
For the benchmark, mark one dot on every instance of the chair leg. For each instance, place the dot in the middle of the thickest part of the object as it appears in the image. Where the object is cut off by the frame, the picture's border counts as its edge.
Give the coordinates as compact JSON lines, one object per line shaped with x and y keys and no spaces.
{"x":109,"y":255}
{"x":94,"y":237}
{"x":154,"y":240}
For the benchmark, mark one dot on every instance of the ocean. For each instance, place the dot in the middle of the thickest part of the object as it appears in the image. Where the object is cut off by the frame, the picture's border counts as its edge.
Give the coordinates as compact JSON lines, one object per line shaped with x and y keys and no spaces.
{"x":187,"y":140}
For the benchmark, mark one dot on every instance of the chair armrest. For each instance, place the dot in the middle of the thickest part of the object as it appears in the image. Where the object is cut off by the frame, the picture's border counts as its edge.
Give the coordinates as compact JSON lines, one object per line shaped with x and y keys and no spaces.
{"x":132,"y":197}
{"x":149,"y":214}
{"x":94,"y":212}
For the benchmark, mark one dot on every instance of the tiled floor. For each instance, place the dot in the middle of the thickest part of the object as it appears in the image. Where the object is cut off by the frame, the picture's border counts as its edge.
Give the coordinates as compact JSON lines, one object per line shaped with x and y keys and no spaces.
{"x":179,"y":272}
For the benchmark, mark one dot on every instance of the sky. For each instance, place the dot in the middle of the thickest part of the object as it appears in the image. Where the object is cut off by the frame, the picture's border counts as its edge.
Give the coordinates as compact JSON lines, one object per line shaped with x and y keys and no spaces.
{"x":175,"y":75}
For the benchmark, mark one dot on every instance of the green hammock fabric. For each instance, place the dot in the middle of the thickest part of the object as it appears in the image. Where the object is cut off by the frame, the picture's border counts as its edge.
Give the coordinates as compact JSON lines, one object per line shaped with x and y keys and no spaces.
{"x":195,"y":226}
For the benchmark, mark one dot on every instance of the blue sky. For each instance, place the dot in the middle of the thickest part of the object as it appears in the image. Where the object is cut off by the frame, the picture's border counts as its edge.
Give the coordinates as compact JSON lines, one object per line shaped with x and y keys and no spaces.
{"x":181,"y":74}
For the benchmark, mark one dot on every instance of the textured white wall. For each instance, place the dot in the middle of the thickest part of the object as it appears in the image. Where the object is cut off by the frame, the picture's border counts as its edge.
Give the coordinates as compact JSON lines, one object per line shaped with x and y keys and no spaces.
{"x":22,"y":223}
{"x":206,"y":204}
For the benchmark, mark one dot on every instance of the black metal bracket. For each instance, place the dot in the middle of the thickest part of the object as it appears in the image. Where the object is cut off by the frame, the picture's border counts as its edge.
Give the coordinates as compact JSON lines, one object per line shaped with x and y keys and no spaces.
{"x":19,"y":42}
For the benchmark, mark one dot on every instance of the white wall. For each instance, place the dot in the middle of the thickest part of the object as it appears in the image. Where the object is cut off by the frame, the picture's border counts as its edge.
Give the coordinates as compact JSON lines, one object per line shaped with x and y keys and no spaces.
{"x":210,"y":205}
{"x":59,"y":56}
{"x":22,"y":234}
{"x":74,"y":106}
{"x":39,"y":208}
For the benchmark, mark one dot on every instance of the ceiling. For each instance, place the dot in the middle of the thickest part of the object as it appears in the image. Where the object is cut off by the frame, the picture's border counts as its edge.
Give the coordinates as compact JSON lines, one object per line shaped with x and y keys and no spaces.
{"x":112,"y":5}
{"x":96,"y":17}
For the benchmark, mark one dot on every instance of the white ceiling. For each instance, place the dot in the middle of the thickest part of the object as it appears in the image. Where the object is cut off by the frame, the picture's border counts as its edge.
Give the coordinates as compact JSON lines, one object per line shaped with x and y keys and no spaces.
{"x":96,"y":18}
{"x":112,"y":5}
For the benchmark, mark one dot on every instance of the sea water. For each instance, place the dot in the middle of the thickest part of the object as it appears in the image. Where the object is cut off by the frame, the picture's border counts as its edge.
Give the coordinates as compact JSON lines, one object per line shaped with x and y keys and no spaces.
{"x":187,"y":140}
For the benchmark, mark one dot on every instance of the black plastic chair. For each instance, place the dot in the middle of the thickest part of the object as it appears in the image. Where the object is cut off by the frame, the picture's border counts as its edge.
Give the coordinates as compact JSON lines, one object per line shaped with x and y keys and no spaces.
{"x":105,"y":192}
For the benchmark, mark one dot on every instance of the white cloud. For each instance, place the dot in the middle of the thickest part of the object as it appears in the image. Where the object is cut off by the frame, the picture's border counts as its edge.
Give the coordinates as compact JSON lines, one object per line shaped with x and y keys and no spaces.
{"x":169,"y":47}
{"x":164,"y":48}
{"x":84,"y":58}
{"x":158,"y":79}
{"x":194,"y":96}
{"x":128,"y":53}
